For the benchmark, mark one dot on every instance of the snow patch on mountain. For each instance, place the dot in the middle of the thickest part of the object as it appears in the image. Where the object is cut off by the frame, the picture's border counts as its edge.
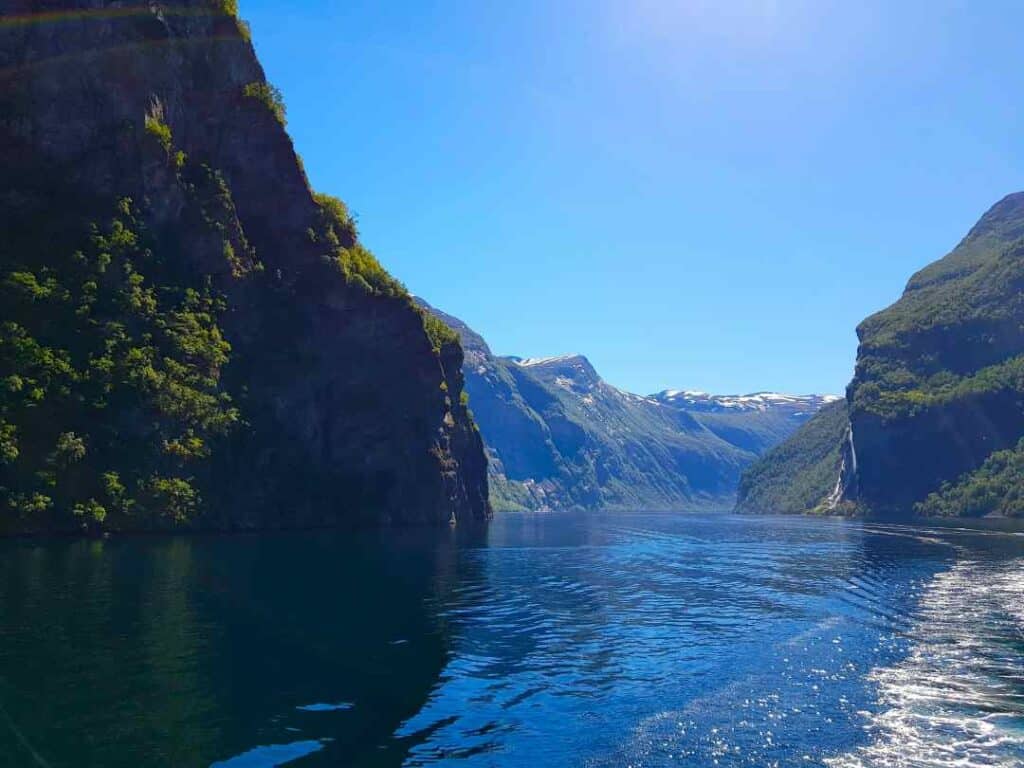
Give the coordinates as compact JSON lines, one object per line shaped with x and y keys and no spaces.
{"x":697,"y":400}
{"x":529,"y":362}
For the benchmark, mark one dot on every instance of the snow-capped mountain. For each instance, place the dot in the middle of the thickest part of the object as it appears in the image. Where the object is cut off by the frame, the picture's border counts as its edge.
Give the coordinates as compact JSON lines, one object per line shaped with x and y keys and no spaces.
{"x":573,"y":373}
{"x":695,"y":400}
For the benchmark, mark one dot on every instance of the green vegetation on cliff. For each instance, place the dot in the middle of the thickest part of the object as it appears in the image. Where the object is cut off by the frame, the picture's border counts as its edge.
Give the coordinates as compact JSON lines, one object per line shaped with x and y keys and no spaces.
{"x":270,"y":97}
{"x":953,"y":333}
{"x":110,"y":361}
{"x":943,"y":389}
{"x":336,"y":231}
{"x":996,"y":488}
{"x":797,"y":476}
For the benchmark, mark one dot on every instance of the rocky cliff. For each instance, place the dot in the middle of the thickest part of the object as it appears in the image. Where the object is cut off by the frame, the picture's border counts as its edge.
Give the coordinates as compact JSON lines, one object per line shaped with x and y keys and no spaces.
{"x":559,"y":436}
{"x":936,"y":407}
{"x":191,"y":336}
{"x":939,"y":383}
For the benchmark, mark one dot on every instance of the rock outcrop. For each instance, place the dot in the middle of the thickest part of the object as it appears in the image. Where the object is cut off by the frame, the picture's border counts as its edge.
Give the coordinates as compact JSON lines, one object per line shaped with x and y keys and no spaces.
{"x":349,"y":408}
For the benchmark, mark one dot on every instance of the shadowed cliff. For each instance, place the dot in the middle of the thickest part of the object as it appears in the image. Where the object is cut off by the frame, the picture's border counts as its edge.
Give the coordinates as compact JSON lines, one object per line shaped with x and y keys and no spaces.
{"x":191,"y":336}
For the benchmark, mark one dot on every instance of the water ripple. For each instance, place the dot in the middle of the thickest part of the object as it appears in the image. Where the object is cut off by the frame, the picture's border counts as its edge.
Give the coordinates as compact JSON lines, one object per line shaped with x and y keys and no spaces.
{"x":602,"y":640}
{"x":957,"y":698}
{"x":690,"y":642}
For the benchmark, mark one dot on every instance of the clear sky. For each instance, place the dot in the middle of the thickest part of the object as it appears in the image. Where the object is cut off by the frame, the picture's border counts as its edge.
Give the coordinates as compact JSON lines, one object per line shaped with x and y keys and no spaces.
{"x":699,"y":194}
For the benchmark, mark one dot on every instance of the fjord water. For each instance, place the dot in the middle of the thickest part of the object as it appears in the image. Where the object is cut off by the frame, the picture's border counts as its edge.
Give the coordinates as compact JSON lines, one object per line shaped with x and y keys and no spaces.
{"x":589,"y":640}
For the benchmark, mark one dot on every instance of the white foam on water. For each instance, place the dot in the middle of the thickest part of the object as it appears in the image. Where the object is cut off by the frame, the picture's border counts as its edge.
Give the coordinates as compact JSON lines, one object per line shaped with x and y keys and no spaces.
{"x":956,"y":699}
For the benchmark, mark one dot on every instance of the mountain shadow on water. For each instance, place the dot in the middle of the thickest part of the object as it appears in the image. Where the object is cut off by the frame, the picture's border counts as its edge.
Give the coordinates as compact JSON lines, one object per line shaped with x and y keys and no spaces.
{"x":200,"y":650}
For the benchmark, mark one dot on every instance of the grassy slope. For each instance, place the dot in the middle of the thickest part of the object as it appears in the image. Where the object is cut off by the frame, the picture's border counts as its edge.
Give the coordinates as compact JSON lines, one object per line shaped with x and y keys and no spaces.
{"x":796,"y":476}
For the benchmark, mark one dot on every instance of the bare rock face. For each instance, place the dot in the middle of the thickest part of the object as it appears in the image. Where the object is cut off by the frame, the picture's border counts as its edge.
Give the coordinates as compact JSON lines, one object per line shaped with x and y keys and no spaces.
{"x":350,"y":413}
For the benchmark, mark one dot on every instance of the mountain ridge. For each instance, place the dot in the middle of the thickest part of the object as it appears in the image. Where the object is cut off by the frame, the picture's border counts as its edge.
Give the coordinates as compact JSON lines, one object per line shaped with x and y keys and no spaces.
{"x":559,"y":436}
{"x":759,"y":401}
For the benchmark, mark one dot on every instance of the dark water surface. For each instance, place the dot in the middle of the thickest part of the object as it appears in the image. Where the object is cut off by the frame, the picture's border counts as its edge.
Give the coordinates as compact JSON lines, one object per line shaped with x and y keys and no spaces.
{"x":601,"y":640}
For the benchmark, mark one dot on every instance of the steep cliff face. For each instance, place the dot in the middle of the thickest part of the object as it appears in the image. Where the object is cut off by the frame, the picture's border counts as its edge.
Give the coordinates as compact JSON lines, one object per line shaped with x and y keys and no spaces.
{"x":344,"y":406}
{"x":935,"y":411}
{"x":939,"y":383}
{"x":525,"y":466}
{"x":561,"y":437}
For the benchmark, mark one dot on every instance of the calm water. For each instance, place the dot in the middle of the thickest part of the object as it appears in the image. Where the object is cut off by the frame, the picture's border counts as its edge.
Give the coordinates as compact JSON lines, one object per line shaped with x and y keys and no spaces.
{"x":610,"y":640}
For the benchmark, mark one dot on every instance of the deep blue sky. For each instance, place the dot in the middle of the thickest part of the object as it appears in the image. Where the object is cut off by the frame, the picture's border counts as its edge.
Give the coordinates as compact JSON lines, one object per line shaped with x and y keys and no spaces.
{"x":695,"y":194}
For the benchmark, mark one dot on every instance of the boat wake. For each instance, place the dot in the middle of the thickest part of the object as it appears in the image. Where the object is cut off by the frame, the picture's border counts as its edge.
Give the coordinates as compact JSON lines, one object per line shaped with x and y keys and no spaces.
{"x":957,"y":698}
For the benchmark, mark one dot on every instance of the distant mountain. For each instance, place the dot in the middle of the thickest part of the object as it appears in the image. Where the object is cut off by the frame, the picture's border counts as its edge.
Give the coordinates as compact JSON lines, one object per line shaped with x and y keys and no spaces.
{"x":559,"y":436}
{"x":935,"y":416}
{"x":754,"y":422}
{"x":694,"y":400}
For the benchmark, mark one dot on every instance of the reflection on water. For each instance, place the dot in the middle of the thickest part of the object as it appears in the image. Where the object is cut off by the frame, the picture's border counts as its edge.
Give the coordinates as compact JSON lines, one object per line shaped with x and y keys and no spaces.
{"x":601,"y":640}
{"x":189,"y":651}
